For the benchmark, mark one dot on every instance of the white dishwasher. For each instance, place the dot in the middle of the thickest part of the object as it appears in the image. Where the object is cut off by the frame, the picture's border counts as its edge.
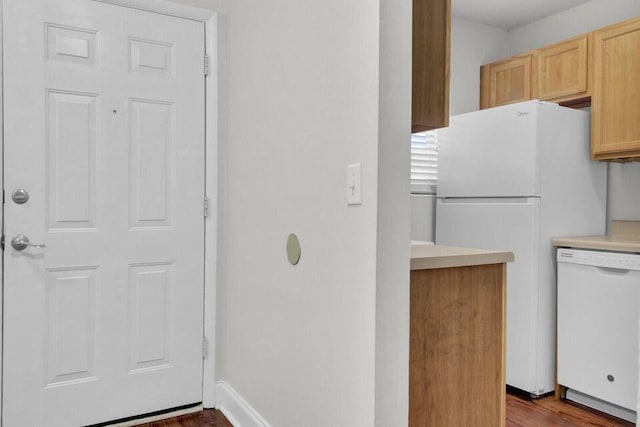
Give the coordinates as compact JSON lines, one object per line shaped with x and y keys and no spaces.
{"x":598,"y":325}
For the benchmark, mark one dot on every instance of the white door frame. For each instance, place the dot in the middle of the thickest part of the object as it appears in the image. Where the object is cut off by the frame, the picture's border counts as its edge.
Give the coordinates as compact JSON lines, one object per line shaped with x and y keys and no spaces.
{"x":210,"y":18}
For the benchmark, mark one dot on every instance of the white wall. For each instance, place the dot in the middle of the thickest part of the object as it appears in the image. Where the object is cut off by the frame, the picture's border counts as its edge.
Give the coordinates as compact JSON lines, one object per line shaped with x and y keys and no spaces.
{"x":578,"y":20}
{"x":299,"y":343}
{"x":423,"y":215}
{"x":217,"y":5}
{"x":623,"y":200}
{"x":392,"y":282}
{"x":472,"y":45}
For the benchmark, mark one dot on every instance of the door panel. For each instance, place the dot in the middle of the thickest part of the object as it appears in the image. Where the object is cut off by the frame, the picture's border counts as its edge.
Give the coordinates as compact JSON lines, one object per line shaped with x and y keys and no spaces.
{"x":563,"y":69}
{"x":104,"y":114}
{"x":152,"y":162}
{"x":151,"y":308}
{"x":615,"y":109}
{"x":70,"y":325}
{"x":71,"y":140}
{"x":510,"y":81}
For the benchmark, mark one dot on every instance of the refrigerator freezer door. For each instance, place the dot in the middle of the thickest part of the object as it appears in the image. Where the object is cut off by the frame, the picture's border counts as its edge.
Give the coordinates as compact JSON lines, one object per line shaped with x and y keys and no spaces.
{"x":490,"y":153}
{"x":511,"y":225}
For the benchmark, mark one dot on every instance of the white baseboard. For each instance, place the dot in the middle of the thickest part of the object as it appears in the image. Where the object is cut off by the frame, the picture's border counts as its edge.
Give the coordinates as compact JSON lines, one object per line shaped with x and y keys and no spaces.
{"x":235,"y":408}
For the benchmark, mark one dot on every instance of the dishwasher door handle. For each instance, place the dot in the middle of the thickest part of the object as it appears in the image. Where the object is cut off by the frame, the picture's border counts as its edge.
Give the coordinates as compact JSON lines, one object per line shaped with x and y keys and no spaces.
{"x":613,"y":271}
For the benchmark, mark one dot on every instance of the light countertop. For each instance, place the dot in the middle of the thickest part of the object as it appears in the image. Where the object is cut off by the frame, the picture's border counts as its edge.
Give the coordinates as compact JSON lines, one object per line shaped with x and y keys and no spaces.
{"x":429,"y":256}
{"x":624,"y":237}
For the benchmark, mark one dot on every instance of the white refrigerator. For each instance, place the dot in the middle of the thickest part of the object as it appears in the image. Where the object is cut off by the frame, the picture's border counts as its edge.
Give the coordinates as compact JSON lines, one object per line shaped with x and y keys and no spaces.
{"x":511,"y":178}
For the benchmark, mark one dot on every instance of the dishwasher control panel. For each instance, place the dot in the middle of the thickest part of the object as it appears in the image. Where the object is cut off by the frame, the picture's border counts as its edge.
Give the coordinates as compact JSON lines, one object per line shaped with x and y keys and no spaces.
{"x":617,"y":260}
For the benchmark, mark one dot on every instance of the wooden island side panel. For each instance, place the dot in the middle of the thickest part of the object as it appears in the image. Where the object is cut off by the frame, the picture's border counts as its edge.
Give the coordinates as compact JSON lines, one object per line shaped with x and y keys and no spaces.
{"x":457,"y":346}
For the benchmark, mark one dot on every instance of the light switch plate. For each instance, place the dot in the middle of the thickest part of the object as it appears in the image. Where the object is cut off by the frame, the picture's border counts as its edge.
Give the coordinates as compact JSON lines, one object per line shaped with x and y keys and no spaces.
{"x":354,"y":184}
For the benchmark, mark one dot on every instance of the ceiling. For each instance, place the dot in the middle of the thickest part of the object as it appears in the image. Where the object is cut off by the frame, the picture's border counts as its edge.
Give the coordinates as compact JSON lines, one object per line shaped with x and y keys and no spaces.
{"x":509,"y":14}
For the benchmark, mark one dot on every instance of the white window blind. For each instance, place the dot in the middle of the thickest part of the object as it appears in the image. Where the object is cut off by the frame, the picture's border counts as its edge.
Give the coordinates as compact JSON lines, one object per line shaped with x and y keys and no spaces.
{"x":424,"y":162}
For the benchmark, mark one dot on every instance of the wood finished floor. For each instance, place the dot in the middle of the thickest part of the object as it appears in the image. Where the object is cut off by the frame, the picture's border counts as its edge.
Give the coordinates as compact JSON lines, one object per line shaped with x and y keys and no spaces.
{"x":206,"y":418}
{"x":548,"y":411}
{"x":521,"y":412}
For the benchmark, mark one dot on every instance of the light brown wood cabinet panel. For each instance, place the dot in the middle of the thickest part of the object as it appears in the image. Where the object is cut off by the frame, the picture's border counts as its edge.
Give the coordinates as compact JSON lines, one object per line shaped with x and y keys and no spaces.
{"x":431,"y":50}
{"x":563,"y":70}
{"x":506,"y":82}
{"x":457,"y":346}
{"x":615,"y":115}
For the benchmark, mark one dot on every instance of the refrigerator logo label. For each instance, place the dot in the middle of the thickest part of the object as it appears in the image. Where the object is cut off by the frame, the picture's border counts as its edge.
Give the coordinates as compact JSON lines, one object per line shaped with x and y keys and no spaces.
{"x":522,"y":113}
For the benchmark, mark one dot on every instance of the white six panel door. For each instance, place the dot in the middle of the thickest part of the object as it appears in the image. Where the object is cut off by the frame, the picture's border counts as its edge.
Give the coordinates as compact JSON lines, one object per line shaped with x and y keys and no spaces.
{"x":104,"y":127}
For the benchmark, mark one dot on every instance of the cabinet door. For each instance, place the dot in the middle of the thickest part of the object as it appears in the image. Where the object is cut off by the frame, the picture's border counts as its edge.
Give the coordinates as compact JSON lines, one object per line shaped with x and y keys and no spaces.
{"x":506,"y":82}
{"x":563,"y":70}
{"x":615,"y":126}
{"x":431,"y":45}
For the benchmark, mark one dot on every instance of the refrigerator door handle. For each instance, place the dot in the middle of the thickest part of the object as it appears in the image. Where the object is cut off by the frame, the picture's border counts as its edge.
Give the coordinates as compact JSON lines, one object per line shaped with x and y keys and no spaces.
{"x":489,"y":200}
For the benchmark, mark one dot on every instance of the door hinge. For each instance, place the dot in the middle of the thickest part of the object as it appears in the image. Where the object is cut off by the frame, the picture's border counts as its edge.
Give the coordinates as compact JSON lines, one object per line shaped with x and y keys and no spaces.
{"x":205,"y":346}
{"x":206,"y":64}
{"x":206,"y":206}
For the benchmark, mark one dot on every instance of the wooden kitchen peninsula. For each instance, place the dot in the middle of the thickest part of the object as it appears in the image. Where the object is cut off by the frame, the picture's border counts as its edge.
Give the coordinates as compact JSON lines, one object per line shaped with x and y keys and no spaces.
{"x":457,"y":336}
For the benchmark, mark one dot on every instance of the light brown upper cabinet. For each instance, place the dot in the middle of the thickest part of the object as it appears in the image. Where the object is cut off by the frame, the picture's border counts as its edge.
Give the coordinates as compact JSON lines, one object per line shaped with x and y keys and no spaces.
{"x":563,"y":70}
{"x":506,"y":81}
{"x":559,"y":73}
{"x":430,"y":80}
{"x":615,"y":119}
